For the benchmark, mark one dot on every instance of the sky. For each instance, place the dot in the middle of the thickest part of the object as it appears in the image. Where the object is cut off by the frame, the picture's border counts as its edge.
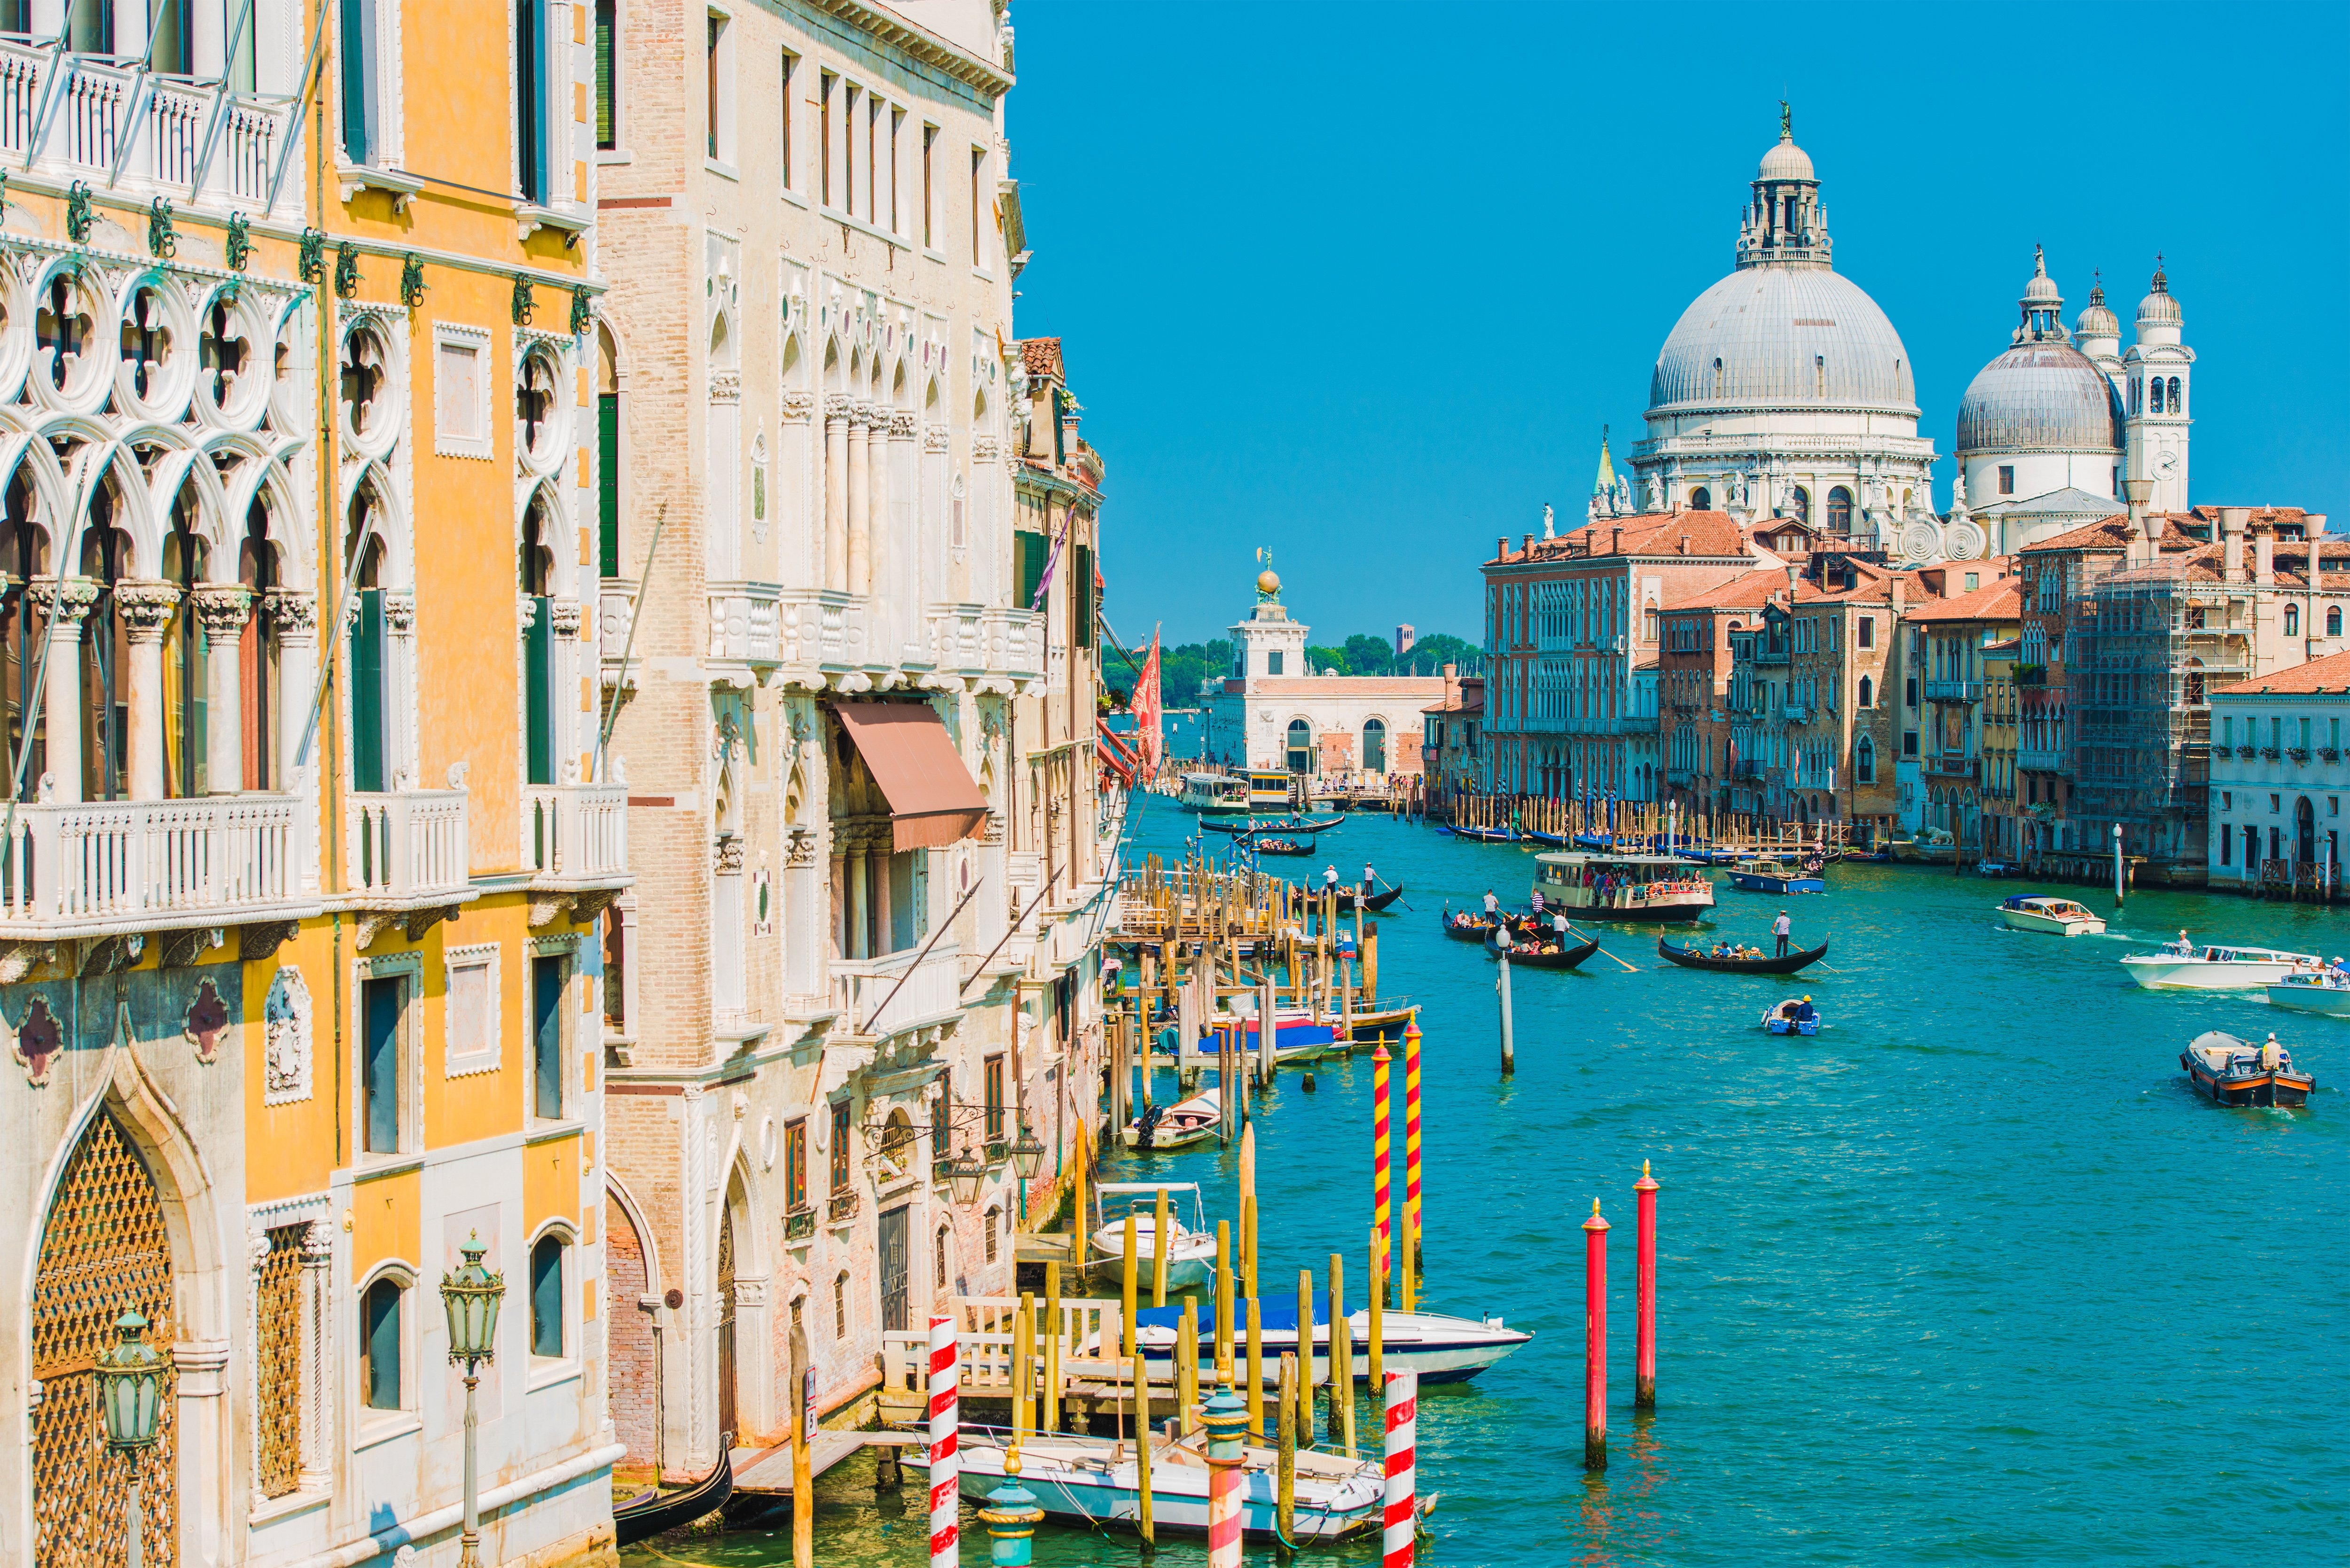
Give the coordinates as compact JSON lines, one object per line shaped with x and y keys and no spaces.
{"x":1361,"y":283}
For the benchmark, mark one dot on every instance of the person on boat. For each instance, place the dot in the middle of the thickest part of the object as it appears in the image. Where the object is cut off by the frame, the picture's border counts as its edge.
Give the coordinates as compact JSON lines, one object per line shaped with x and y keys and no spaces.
{"x":1492,"y":909}
{"x":1370,"y":880}
{"x":1805,"y":1011}
{"x":2269,"y":1052}
{"x":1330,"y":878}
{"x":1779,"y":928}
{"x":2182,"y":948}
{"x":1558,"y":921}
{"x":1538,"y":903}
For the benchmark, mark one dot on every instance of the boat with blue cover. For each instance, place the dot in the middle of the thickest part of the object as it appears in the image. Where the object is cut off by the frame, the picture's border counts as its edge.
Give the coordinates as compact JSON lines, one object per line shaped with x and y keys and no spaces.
{"x":1796,"y":1015}
{"x":1780,"y":876}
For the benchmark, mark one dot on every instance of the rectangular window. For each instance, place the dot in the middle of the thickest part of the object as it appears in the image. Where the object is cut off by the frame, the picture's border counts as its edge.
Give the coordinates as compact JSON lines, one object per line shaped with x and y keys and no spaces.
{"x":1081,"y":601}
{"x":823,"y":136}
{"x":1867,"y":631}
{"x":841,"y":1134}
{"x":791,"y":71}
{"x":368,"y":774}
{"x":875,"y":180}
{"x":616,"y":970}
{"x":355,"y":50}
{"x":546,"y":978}
{"x":608,"y":484}
{"x":530,"y":100}
{"x":1028,"y":550}
{"x":1909,"y":742}
{"x":897,"y":206}
{"x":2227,"y":732}
{"x":709,"y":96}
{"x":460,"y":393}
{"x":2007,"y":479}
{"x":2227,"y":846}
{"x":607,"y":74}
{"x":795,"y":1170}
{"x":1272,"y":666}
{"x":992,"y":1081}
{"x":929,"y":189}
{"x":381,"y":1064}
{"x":978,"y":170}
{"x":469,"y":1026}
{"x":2304,"y":734}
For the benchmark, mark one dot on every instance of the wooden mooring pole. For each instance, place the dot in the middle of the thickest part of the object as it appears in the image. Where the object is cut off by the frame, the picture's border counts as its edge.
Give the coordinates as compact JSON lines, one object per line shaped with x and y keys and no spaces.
{"x":1509,"y":1045}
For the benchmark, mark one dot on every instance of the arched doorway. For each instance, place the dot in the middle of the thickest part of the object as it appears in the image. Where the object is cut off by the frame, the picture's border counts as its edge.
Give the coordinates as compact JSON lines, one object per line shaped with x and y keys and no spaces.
{"x":1301,"y":746}
{"x":2304,"y":837}
{"x":1375,"y":746}
{"x":726,"y":1413}
{"x":105,"y":1251}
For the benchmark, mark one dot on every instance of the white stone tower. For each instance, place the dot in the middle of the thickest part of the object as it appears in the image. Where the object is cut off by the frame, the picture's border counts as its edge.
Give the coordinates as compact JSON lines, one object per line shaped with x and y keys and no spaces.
{"x":2159,"y":371}
{"x":1268,"y":643}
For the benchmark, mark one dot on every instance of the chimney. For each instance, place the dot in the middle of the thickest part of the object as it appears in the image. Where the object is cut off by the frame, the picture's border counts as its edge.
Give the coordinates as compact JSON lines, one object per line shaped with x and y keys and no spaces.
{"x":2140,"y":492}
{"x":1684,"y":551}
{"x":2264,"y":559}
{"x":1530,"y":545}
{"x":2313,"y":524}
{"x":1897,"y":603}
{"x":1793,"y":572}
{"x":2232,"y":543}
{"x":1501,"y":549}
{"x":1615,"y":547}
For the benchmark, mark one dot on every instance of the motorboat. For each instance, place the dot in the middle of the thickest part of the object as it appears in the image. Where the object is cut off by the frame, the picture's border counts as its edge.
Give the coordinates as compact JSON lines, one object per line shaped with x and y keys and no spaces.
{"x":1297,"y":1035}
{"x":1934,"y":846}
{"x":1748,"y":962}
{"x":2323,"y":991}
{"x":1789,"y":1017}
{"x":2182,"y":965}
{"x":1191,"y":1245}
{"x":1088,"y":1481}
{"x":1213,"y":792}
{"x":1483,"y":835}
{"x":2048,"y":915}
{"x":2237,"y":1073}
{"x":1648,"y":889}
{"x":1440,"y":1348}
{"x":1179,"y":1126}
{"x":1780,"y":876}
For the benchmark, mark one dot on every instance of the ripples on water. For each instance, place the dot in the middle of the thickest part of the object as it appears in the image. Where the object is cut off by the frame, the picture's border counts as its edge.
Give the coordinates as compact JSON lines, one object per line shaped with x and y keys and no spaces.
{"x":1969,"y":1277}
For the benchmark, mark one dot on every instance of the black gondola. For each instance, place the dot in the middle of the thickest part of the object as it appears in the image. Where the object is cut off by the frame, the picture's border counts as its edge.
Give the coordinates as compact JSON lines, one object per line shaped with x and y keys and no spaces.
{"x":1262,"y":846}
{"x":1468,"y":926}
{"x":1692,"y":958}
{"x":1568,"y":957}
{"x":648,"y":1514}
{"x":1375,"y":903}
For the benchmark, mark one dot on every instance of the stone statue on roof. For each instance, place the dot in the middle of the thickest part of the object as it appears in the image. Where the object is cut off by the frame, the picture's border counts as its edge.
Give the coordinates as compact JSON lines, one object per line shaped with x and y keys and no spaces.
{"x":1656,"y":493}
{"x":1623,"y":495}
{"x":1550,"y":523}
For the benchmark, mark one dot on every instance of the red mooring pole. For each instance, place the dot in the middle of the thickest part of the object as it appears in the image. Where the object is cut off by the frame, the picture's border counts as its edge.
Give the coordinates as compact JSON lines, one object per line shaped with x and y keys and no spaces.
{"x":1644,"y":1377}
{"x":1595,"y":1340}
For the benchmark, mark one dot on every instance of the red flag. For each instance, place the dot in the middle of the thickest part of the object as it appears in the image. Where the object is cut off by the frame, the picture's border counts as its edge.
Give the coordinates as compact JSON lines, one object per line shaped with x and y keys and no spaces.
{"x":1148,"y":732}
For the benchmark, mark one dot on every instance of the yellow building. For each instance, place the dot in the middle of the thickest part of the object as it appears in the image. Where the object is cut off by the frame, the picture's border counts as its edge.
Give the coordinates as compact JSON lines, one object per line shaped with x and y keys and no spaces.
{"x":296,"y":968}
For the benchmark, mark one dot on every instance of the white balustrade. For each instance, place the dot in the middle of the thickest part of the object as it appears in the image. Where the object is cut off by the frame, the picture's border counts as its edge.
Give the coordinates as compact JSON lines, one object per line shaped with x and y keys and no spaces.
{"x":409,"y":844}
{"x":575,"y":832}
{"x":957,"y":639}
{"x":933,"y":989}
{"x":1016,"y":643}
{"x":743,"y":623}
{"x":122,"y":863}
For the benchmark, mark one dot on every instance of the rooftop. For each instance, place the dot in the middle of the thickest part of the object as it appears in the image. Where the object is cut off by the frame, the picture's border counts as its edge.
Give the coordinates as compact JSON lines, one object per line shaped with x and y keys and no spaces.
{"x":1646,"y":534}
{"x":2331,"y":673}
{"x":2000,"y":600}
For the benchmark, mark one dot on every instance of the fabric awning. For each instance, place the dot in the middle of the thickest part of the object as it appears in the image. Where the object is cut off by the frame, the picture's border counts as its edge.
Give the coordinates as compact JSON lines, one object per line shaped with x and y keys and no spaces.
{"x":933,"y":800}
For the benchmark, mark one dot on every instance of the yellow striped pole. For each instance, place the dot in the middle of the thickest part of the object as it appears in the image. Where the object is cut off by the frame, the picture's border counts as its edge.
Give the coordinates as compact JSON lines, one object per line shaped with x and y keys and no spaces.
{"x":1411,"y":1144}
{"x":1381,"y":1204}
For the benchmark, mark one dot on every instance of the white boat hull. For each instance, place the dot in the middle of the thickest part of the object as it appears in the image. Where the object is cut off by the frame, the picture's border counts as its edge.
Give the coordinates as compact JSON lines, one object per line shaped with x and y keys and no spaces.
{"x":2332,"y":1001}
{"x":1440,"y":1349}
{"x":2159,"y":971}
{"x":2049,"y":925}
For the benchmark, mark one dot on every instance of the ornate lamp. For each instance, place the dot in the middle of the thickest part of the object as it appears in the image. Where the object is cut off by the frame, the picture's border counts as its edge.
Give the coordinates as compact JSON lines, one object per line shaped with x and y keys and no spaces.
{"x":130,"y":1399}
{"x":1028,"y":1155}
{"x":964,"y":1176}
{"x":471,"y":1295}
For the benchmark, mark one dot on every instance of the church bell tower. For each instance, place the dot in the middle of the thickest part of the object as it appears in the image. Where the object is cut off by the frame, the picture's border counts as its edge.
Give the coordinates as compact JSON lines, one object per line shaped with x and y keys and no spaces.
{"x":2158,"y":371}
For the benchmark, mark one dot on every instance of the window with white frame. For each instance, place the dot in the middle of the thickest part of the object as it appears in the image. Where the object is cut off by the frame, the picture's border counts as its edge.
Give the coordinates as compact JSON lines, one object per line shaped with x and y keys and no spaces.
{"x":461,"y":390}
{"x":470,"y":1010}
{"x":385,"y":1375}
{"x":550,"y":1329}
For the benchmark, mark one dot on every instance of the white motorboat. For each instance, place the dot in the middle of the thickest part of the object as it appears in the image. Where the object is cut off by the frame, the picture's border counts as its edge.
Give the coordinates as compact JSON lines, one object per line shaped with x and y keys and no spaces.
{"x":2183,"y":965}
{"x":1190,"y":1246}
{"x":1090,"y":1481}
{"x":1181,"y":1124}
{"x":2049,"y":916}
{"x":1440,"y":1348}
{"x":2323,"y":991}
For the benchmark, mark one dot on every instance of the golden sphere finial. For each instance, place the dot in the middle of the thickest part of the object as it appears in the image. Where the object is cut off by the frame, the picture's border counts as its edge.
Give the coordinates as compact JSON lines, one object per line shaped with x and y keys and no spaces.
{"x":1268,"y":582}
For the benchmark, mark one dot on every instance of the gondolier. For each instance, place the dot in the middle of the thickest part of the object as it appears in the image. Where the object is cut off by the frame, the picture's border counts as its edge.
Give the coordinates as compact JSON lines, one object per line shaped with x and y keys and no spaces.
{"x":1780,"y":928}
{"x":1493,"y":905}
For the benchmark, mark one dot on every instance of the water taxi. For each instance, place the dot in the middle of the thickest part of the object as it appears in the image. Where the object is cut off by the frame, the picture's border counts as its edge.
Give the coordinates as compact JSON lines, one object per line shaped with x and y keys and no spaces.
{"x":1179,"y":1126}
{"x":1934,"y":846}
{"x":1780,"y":876}
{"x":1440,"y":1348}
{"x":1190,"y":1247}
{"x":2327,"y":991}
{"x":2237,"y":1073}
{"x":1647,"y":888}
{"x":2183,"y":965}
{"x":1213,"y":792}
{"x":2049,"y":916}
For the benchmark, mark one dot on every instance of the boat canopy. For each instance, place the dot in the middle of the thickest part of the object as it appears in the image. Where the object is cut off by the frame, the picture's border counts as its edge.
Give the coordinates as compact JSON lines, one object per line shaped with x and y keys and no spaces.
{"x":1602,"y":860}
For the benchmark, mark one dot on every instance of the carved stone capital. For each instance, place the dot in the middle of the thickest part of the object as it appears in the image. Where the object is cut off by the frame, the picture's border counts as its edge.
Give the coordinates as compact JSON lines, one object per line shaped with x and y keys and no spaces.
{"x":69,"y":601}
{"x":725,"y":385}
{"x":400,"y":613}
{"x":294,"y":613}
{"x":728,"y":859}
{"x":799,"y":847}
{"x":567,"y":617}
{"x":934,"y":438}
{"x":984,"y":449}
{"x":224,"y":607}
{"x":318,"y":1241}
{"x":798,"y":407}
{"x":836,"y":406}
{"x":903,"y":424}
{"x":146,"y":608}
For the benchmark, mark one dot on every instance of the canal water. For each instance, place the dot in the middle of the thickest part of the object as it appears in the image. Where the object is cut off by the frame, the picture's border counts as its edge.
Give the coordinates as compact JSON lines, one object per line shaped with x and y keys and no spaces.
{"x":1969,"y":1277}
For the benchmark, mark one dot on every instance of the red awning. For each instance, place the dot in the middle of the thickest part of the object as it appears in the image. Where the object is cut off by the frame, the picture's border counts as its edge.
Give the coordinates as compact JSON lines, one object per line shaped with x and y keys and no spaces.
{"x":932,"y":801}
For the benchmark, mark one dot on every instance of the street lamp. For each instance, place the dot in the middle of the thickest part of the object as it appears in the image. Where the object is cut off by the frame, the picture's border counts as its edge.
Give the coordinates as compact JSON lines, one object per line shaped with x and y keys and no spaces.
{"x":964,"y":1176}
{"x":1028,"y":1155}
{"x":470,"y":1295}
{"x":130,"y":1393}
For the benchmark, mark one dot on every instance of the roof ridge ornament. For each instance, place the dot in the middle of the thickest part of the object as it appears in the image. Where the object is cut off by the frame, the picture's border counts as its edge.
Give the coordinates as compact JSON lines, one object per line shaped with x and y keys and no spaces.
{"x":1786,"y":122}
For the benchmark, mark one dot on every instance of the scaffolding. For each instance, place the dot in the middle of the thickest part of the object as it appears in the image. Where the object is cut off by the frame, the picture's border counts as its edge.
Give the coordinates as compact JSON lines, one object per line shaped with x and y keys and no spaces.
{"x":2146,"y":647}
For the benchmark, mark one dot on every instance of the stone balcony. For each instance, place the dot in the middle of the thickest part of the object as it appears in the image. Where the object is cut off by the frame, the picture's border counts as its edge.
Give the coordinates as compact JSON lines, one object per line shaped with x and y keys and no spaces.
{"x":911,"y":998}
{"x":408,"y":860}
{"x":823,"y":633}
{"x":745,"y":626}
{"x":575,"y":844}
{"x":77,"y":117}
{"x":1015,"y":644}
{"x":106,"y":873}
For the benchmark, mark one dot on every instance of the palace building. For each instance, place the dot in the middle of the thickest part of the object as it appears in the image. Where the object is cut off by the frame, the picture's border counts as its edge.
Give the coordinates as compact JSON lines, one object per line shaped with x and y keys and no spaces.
{"x":1272,"y":710}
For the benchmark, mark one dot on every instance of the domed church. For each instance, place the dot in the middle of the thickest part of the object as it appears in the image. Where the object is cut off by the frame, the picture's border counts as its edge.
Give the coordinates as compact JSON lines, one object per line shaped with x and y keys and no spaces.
{"x":1783,"y":390}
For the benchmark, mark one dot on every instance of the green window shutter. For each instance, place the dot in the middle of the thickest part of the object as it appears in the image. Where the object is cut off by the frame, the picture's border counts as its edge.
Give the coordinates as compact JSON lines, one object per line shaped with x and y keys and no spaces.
{"x":608,"y":482}
{"x":606,"y":68}
{"x":1028,"y":550}
{"x":1060,"y":454}
{"x":367,"y":694}
{"x":1081,"y":598}
{"x":538,"y":658}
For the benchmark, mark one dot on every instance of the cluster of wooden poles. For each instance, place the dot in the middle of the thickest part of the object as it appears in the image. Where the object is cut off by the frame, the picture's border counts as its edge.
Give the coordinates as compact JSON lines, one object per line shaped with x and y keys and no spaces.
{"x":1695,"y":828}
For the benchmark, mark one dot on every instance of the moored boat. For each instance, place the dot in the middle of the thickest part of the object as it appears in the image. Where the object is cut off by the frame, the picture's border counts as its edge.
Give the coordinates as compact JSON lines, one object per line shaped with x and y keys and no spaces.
{"x":1483,"y":835}
{"x":1646,"y":889}
{"x":2325,"y":991}
{"x":1181,"y":1124}
{"x":2049,"y":916}
{"x":1213,"y":792}
{"x":1191,"y":1245}
{"x":1297,"y":1034}
{"x":1796,"y":1015}
{"x":1440,"y":1348}
{"x":648,"y":1514}
{"x":1935,"y":847}
{"x":2182,"y":965}
{"x":2235,"y":1072}
{"x":1731,"y":964}
{"x":1780,"y":876}
{"x":1259,"y":844}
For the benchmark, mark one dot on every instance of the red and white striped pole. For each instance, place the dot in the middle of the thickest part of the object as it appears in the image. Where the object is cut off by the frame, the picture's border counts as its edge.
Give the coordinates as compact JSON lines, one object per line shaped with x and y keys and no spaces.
{"x":1644,"y":1374}
{"x":946,"y":1463}
{"x":1595,"y":1340}
{"x":1400,"y":1516}
{"x":1226,"y":1416}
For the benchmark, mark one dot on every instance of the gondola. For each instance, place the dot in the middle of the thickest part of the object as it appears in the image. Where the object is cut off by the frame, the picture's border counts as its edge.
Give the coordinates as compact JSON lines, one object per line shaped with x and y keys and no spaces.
{"x":1376,"y":903}
{"x":1470,"y":926}
{"x":1483,"y":835}
{"x":1568,"y":957}
{"x":1258,"y":846}
{"x":648,"y":1514}
{"x":1691,"y":957}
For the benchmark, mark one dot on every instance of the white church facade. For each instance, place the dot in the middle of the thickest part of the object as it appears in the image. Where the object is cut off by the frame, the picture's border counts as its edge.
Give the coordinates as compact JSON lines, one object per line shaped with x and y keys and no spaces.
{"x":1272,"y":710}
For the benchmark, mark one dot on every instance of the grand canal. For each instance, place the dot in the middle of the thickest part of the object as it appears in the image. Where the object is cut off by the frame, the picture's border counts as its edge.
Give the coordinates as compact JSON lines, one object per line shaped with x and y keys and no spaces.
{"x":1969,"y":1277}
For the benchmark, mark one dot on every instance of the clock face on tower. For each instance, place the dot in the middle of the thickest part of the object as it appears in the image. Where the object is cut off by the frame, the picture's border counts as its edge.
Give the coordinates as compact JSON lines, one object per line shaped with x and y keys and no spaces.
{"x":2166,"y":464}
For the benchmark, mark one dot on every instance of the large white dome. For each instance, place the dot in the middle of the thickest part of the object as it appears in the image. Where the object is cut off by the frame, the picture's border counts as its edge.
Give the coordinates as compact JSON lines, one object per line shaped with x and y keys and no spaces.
{"x":2041,"y":396}
{"x":1784,"y":337}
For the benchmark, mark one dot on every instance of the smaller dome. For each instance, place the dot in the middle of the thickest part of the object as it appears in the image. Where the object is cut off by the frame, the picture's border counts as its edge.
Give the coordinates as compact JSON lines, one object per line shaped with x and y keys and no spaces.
{"x":2097,"y":320}
{"x":2158,"y":307}
{"x":2041,"y":289}
{"x":1786,"y":160}
{"x":2044,"y":396}
{"x":1266,"y":583}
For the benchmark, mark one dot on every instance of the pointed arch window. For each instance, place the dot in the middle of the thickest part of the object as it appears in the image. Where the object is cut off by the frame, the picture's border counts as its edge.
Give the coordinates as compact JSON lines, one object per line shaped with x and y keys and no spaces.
{"x":106,"y":707}
{"x":2155,"y":400}
{"x":23,"y":546}
{"x":186,"y":649}
{"x":371,"y":747}
{"x":2178,"y":398}
{"x":535,"y":568}
{"x":257,"y":654}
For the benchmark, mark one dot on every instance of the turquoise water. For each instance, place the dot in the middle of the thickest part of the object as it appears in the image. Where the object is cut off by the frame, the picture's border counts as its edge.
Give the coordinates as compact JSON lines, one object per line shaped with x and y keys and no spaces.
{"x":1969,"y":1277}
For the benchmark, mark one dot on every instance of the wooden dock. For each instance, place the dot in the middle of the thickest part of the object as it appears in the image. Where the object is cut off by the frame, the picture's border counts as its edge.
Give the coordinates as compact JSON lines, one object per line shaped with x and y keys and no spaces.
{"x":768,"y":1472}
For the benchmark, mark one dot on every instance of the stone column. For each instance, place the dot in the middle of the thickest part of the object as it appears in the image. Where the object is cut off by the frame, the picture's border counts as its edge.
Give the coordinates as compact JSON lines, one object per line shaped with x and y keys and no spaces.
{"x":860,"y":500}
{"x":69,"y":602}
{"x":317,"y":1386}
{"x":860,"y":894}
{"x":835,"y":491}
{"x":146,"y":608}
{"x":224,"y":608}
{"x":800,"y":564}
{"x":400,"y":693}
{"x":902,"y":567}
{"x":294,"y":615}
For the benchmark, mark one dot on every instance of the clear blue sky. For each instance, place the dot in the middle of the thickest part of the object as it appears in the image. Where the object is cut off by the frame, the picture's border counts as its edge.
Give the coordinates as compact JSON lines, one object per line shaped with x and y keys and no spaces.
{"x":1362,"y":282}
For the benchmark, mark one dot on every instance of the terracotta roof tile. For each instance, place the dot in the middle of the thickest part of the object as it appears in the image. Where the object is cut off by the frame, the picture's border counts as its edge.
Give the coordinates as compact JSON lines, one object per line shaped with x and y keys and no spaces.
{"x":1649,"y":534}
{"x":1041,"y":356}
{"x":2329,"y":673}
{"x":1746,"y":591}
{"x":2001,"y":600}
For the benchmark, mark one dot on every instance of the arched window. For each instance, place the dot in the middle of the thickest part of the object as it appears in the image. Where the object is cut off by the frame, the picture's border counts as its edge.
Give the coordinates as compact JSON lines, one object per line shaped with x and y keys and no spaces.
{"x":994,"y":1217}
{"x":380,"y":1344}
{"x":2292,"y":621}
{"x":1301,"y":746}
{"x":1375,"y":746}
{"x":2334,"y":620}
{"x":1868,"y":692}
{"x":22,"y":555}
{"x":258,"y":694}
{"x":369,"y":717}
{"x":185,"y":648}
{"x":2154,"y":404}
{"x":2178,"y":402}
{"x":1701,"y":499}
{"x":546,"y":1335}
{"x":939,"y":1276}
{"x":840,"y":1304}
{"x":1800,"y":501}
{"x":1839,"y":510}
{"x":534,"y":570}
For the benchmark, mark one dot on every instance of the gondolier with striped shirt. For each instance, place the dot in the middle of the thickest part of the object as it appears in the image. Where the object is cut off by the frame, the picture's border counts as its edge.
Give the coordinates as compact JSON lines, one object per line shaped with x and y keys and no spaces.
{"x":1779,"y":928}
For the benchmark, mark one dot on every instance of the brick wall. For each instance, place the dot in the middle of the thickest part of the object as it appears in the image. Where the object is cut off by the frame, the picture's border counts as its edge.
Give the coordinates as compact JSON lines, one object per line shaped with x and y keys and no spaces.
{"x":634,"y":1402}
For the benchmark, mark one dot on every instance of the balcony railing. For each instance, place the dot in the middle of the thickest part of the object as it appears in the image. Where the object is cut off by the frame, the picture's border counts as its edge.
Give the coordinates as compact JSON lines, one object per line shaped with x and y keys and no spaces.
{"x":1797,"y":712}
{"x":1016,"y":643}
{"x":743,"y":627}
{"x":958,"y":638}
{"x":2041,"y":760}
{"x":821,"y":629}
{"x":872,"y":1001}
{"x":132,"y":865}
{"x":1954,"y":691}
{"x":575,"y":836}
{"x":79,"y":116}
{"x":1768,"y":656}
{"x":410,"y":846}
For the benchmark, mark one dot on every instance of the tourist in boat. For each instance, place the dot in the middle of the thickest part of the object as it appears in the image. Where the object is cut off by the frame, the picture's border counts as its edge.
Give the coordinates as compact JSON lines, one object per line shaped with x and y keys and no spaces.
{"x":1805,"y":1011}
{"x":1538,"y":903}
{"x":1779,"y":928}
{"x":2269,"y":1052}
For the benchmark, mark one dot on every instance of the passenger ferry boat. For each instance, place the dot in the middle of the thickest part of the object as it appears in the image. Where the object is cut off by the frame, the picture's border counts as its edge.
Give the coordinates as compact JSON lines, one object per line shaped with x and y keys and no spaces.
{"x":2183,"y":965}
{"x":1647,"y":888}
{"x":1268,"y":790}
{"x":1780,"y":876}
{"x":1213,"y":792}
{"x":2049,"y":916}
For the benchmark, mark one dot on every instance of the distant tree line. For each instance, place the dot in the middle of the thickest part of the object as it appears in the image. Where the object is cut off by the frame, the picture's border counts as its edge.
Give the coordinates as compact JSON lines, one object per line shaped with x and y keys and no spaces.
{"x":1184,"y":665}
